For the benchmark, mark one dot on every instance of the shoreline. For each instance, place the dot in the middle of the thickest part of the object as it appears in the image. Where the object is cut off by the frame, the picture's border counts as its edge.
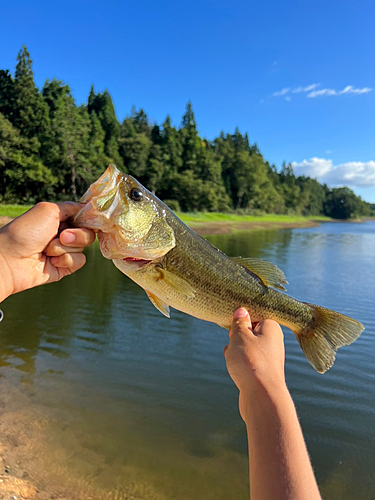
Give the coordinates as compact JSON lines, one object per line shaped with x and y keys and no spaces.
{"x":228,"y":227}
{"x":225,"y":226}
{"x":206,"y":228}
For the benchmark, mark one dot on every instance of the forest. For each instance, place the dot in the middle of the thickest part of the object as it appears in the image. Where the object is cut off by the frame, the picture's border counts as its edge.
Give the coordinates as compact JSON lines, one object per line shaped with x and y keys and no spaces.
{"x":52,"y":149}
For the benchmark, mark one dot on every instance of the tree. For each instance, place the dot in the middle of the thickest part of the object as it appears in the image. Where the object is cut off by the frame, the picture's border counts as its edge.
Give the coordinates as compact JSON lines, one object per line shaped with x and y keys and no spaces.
{"x":290,"y":188}
{"x":342,"y":203}
{"x":313,"y":195}
{"x":68,"y":152}
{"x":134,"y":149}
{"x":25,"y":178}
{"x":191,"y":142}
{"x":30,"y":113}
{"x":7,"y":94}
{"x":140,"y":121}
{"x":102,"y":105}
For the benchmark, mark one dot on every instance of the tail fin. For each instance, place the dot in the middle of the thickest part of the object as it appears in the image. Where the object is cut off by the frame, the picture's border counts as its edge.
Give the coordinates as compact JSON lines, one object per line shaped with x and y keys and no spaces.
{"x":328,"y":331}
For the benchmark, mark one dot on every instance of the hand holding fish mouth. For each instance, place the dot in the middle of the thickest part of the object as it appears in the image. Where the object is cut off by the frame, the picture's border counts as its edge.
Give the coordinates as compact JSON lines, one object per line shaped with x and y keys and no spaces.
{"x":255,"y":358}
{"x":38,"y":247}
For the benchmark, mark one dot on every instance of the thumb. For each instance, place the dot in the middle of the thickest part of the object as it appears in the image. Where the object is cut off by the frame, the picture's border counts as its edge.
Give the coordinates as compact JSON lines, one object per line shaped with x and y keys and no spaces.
{"x":241,"y":320}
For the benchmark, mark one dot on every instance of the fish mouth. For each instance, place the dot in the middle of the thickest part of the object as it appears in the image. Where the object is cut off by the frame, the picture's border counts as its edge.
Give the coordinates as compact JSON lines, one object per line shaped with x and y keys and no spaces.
{"x":107,"y":182}
{"x":135,"y":260}
{"x":102,"y":202}
{"x":131,"y":264}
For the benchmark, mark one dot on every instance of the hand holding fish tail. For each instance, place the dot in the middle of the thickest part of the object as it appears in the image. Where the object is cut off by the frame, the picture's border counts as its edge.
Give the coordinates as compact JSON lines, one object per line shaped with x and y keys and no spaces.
{"x":255,"y":358}
{"x":38,"y":247}
{"x":279,"y":465}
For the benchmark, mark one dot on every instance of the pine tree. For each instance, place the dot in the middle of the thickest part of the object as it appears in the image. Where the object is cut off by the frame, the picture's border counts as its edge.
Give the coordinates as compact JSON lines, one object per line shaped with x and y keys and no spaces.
{"x":24,"y":177}
{"x":102,"y":105}
{"x":191,"y":142}
{"x":134,"y":149}
{"x":30,"y":114}
{"x":68,"y":152}
{"x":7,"y":97}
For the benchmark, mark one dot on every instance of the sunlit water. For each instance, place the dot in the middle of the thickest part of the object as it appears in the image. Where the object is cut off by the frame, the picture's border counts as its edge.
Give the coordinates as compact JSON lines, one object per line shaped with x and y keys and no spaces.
{"x":114,"y":398}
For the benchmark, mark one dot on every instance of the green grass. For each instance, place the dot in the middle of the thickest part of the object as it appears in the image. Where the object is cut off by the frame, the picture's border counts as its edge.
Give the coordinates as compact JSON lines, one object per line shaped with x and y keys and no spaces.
{"x":16,"y":210}
{"x":13,"y":210}
{"x":222,"y":217}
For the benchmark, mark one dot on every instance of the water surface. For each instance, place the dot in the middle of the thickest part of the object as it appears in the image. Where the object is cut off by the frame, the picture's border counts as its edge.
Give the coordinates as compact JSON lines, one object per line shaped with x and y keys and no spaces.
{"x":102,"y":396}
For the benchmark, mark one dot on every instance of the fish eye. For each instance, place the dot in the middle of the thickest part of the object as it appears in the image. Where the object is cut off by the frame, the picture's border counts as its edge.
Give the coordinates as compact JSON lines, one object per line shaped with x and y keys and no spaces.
{"x":136,"y":194}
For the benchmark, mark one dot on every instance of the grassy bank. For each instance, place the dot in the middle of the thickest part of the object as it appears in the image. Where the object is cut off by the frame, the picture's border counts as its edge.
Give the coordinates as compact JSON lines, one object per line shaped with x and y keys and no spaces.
{"x":197,"y":217}
{"x":208,"y":217}
{"x":13,"y":210}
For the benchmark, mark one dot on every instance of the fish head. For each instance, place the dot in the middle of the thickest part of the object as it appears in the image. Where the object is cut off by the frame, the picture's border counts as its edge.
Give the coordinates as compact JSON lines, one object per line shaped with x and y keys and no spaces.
{"x":129,"y":219}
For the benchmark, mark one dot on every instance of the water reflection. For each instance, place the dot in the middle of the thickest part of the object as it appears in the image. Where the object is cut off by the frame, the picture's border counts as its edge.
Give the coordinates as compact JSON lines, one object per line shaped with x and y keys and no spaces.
{"x":127,"y":396}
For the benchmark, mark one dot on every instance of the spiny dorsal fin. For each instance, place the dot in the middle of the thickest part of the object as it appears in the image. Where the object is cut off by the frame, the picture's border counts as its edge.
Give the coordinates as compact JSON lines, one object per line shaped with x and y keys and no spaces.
{"x":174,"y":281}
{"x":269,"y":274}
{"x":159,"y":304}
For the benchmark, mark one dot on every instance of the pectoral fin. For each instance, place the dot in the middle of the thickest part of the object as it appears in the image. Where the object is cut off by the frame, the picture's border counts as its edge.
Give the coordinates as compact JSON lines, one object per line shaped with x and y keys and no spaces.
{"x":269,"y":274}
{"x":159,"y":304}
{"x":174,"y":281}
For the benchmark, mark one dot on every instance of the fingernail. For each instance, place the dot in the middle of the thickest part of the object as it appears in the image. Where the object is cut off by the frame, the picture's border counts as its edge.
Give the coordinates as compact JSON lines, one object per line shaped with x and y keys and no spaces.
{"x":68,"y":238}
{"x":241,"y":313}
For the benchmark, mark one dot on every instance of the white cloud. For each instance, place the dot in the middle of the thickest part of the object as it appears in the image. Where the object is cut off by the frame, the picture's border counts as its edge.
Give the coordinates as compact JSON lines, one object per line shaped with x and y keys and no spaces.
{"x":317,"y":93}
{"x":354,"y":174}
{"x":309,"y":88}
{"x":349,"y":89}
{"x":287,"y":98}
{"x":314,"y":167}
{"x":281,"y":92}
{"x":312,"y":91}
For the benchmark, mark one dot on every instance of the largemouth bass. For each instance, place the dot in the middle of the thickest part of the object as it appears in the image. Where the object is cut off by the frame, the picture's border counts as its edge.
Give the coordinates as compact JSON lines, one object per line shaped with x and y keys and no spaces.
{"x":178,"y":268}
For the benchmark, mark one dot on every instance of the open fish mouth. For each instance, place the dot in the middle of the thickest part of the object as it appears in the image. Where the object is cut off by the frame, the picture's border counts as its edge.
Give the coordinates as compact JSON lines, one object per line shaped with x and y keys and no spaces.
{"x":131,"y":226}
{"x":135,"y":262}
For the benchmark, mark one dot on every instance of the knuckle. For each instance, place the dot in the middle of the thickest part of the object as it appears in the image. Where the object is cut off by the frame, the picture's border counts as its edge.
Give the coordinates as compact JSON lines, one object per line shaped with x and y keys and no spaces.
{"x":46,"y":206}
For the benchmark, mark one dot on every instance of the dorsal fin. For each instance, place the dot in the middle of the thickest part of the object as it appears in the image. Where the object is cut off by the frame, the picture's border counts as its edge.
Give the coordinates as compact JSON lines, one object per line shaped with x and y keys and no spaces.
{"x":269,"y":274}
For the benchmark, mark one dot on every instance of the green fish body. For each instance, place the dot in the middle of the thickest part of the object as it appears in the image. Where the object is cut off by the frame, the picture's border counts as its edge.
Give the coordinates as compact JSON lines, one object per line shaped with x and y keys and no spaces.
{"x":178,"y":268}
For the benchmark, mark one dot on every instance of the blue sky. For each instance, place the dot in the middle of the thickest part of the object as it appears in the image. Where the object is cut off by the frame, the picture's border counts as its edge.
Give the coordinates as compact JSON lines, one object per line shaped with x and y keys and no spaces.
{"x":298,"y":76}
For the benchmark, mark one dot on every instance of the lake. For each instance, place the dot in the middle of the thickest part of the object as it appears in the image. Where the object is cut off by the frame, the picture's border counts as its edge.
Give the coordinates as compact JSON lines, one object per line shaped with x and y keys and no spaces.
{"x":103,"y":397}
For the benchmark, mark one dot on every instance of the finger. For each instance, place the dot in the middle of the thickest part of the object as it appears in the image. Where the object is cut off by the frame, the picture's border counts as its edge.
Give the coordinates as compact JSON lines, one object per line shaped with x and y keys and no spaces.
{"x":241,"y":319}
{"x":73,"y":261}
{"x":267,"y":326}
{"x":55,"y":249}
{"x":77,"y":237}
{"x":67,"y":209}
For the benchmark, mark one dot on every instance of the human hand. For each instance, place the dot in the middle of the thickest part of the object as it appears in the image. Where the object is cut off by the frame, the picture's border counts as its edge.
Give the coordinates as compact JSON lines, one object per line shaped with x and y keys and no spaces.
{"x":38,"y":247}
{"x":255,"y":358}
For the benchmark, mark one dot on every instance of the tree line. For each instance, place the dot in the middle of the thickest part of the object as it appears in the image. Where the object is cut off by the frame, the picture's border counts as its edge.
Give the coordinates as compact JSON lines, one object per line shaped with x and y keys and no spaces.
{"x":52,"y":149}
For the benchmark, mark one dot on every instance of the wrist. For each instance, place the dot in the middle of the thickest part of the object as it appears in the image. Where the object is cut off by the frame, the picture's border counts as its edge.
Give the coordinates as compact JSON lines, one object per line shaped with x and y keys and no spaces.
{"x":6,"y":280}
{"x":261,"y":397}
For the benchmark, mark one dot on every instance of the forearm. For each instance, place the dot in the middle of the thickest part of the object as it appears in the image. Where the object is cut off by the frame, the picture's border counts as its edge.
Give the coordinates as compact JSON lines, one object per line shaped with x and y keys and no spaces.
{"x":278,"y":459}
{"x":6,"y":287}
